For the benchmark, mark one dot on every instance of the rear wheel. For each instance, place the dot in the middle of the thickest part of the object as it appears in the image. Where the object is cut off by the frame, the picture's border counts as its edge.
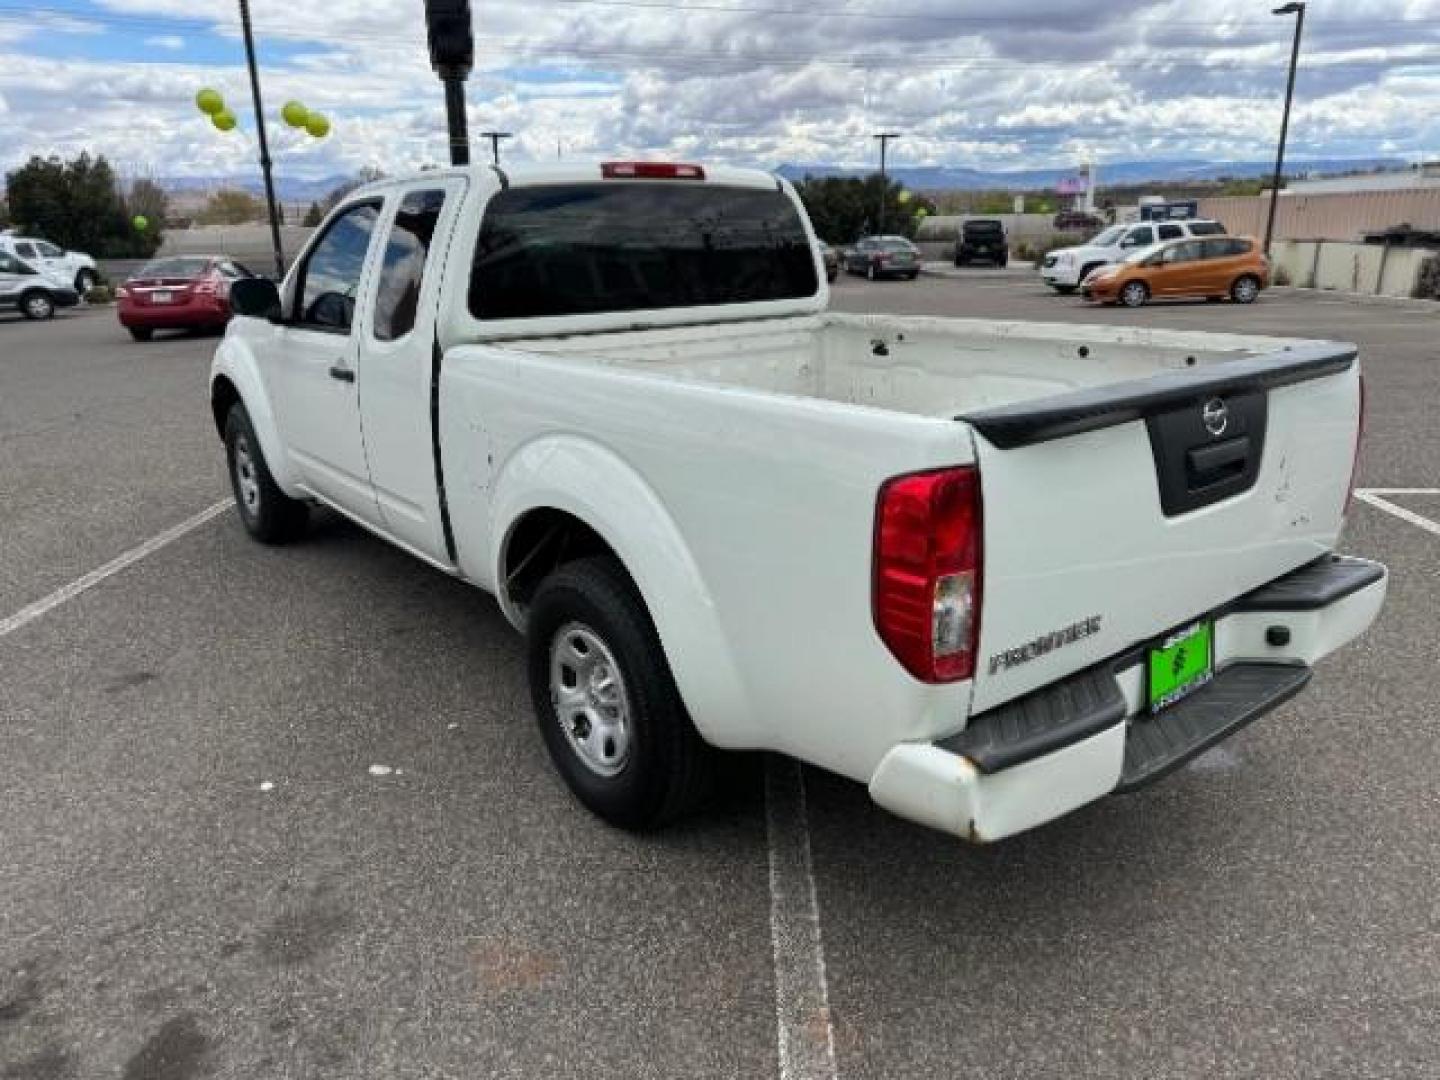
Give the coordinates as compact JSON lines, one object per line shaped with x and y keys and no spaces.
{"x":1246,"y":289}
{"x":85,"y":280}
{"x":141,"y":333}
{"x":270,"y":516}
{"x":1135,"y":294}
{"x":37,"y":305}
{"x":870,"y":273}
{"x":608,"y":708}
{"x":1064,"y":290}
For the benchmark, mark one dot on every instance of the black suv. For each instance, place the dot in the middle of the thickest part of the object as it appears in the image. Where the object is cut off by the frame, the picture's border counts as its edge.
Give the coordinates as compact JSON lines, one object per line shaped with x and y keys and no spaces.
{"x":982,"y":240}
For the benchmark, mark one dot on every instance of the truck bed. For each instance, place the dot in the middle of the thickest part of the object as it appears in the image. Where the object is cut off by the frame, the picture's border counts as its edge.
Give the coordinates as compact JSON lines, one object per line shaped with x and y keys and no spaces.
{"x":923,"y":366}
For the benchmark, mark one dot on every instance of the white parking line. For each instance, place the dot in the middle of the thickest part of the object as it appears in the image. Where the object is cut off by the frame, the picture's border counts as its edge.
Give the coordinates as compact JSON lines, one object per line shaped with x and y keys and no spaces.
{"x":804,"y":1031}
{"x":29,"y":614}
{"x":1376,"y":498}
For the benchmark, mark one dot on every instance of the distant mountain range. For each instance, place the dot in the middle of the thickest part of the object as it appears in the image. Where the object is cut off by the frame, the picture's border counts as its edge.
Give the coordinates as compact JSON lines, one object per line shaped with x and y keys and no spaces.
{"x":955,"y":178}
{"x":927,"y":177}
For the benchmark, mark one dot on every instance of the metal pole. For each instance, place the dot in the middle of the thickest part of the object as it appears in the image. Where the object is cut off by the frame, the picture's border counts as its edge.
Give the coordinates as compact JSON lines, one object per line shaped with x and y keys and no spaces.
{"x":1298,"y":10}
{"x":495,"y":137}
{"x":455,"y":114}
{"x":264,"y":142}
{"x":884,"y":137}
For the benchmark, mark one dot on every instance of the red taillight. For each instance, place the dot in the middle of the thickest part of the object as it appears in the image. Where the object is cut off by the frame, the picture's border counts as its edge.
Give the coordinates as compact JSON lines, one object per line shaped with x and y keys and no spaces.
{"x":927,"y":572}
{"x":122,"y":293}
{"x":209,"y":285}
{"x":1359,"y":438}
{"x":650,"y":170}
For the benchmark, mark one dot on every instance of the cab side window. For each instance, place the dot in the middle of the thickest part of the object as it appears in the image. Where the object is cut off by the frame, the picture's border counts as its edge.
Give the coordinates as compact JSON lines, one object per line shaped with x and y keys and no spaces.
{"x":1171,"y":232}
{"x":402,"y":273}
{"x":329,"y":280}
{"x":25,"y":251}
{"x":1141,"y":237}
{"x":49,"y":251}
{"x":11,"y":265}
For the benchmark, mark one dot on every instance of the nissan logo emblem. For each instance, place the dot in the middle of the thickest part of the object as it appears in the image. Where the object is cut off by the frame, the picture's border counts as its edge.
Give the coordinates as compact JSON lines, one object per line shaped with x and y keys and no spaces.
{"x":1216,"y":416}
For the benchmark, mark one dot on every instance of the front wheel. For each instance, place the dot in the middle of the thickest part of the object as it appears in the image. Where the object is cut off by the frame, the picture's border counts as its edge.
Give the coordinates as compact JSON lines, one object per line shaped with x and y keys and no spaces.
{"x":870,"y":273}
{"x":270,"y":516}
{"x":37,"y":305}
{"x":1246,"y":290}
{"x":1134,"y":294}
{"x":1065,"y":290}
{"x":606,"y":702}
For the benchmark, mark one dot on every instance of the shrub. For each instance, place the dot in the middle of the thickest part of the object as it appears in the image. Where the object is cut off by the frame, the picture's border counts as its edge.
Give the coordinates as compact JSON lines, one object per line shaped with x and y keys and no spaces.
{"x":100,"y":294}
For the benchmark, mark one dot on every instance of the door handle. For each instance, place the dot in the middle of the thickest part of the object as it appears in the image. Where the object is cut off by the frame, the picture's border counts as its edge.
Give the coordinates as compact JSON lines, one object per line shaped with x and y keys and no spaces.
{"x":344,"y":374}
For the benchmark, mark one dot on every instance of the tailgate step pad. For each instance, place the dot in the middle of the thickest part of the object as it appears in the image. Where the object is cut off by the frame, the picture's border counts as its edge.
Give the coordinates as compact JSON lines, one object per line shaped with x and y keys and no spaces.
{"x":1156,"y":745}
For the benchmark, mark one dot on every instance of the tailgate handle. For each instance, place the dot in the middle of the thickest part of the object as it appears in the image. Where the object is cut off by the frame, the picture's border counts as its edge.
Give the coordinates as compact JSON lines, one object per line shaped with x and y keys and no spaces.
{"x":1211,"y":464}
{"x":344,"y":374}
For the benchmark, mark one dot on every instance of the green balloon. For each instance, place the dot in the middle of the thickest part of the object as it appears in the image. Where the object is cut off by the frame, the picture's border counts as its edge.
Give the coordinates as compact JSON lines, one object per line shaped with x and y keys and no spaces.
{"x":209,"y":101}
{"x":224,"y":120}
{"x":295,"y":114}
{"x":317,"y":125}
{"x":903,"y":198}
{"x":141,"y":222}
{"x":922,"y":212}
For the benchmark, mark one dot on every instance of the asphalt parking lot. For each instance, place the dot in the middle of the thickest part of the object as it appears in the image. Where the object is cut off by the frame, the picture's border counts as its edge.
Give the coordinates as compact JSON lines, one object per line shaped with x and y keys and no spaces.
{"x":282,"y":812}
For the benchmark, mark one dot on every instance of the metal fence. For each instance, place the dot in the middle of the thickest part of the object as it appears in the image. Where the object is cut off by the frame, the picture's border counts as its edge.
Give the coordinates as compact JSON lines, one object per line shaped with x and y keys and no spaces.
{"x":1342,"y":216}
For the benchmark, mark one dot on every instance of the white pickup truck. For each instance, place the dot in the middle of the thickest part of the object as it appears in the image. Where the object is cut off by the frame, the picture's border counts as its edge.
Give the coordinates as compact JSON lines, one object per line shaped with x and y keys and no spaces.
{"x":993,"y":570}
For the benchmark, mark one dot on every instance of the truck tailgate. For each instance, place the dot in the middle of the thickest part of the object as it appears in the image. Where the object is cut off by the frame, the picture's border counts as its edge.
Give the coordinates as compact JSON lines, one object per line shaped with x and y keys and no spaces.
{"x":1118,"y":514}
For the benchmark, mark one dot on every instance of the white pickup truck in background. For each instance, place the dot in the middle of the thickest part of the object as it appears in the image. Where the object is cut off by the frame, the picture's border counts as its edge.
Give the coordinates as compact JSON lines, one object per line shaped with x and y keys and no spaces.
{"x":994,"y":571}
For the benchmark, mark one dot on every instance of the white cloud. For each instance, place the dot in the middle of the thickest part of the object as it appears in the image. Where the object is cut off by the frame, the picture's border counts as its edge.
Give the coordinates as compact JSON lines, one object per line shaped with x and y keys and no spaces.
{"x":968,"y":82}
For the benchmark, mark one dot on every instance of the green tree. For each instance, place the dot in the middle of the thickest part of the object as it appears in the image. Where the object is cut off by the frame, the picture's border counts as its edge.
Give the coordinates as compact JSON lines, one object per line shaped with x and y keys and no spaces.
{"x":230,"y":206}
{"x":75,"y":204}
{"x":313,"y":216}
{"x":844,"y":208}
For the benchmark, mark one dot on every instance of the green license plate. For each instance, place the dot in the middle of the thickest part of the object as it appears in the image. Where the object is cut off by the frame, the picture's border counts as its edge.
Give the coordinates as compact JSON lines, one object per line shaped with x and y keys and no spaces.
{"x":1181,"y":665}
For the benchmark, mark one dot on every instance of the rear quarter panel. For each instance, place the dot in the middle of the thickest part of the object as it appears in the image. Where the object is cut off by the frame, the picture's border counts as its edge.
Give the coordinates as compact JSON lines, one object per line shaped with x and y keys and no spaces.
{"x":745,"y":518}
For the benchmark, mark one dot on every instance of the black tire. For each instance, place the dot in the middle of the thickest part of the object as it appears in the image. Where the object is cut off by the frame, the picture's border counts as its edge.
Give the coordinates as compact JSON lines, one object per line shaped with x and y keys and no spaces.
{"x":912,"y":277}
{"x":1065,"y":290}
{"x":667,"y":769}
{"x":37,"y":304}
{"x":1246,"y":289}
{"x":269,"y":515}
{"x":85,"y":280}
{"x":141,"y":333}
{"x":871,"y":274}
{"x":1134,"y":294}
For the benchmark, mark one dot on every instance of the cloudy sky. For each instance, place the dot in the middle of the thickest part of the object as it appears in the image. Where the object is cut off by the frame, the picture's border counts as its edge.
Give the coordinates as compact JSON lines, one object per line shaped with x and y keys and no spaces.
{"x":987,"y":84}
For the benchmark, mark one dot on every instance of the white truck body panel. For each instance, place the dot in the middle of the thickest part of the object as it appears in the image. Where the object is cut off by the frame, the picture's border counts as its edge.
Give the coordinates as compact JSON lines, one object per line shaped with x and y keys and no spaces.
{"x":731,"y":457}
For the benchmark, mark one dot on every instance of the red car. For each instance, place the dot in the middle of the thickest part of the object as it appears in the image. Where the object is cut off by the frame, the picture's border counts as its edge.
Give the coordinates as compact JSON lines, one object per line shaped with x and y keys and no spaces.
{"x":179,"y":292}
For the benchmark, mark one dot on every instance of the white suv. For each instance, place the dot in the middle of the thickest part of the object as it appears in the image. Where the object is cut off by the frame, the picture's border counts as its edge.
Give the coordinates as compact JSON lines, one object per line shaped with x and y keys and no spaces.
{"x":73,"y":268}
{"x":1065,"y":269}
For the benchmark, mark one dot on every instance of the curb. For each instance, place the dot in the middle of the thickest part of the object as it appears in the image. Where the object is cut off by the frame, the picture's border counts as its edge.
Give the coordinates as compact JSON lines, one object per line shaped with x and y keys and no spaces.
{"x":1361,"y":298}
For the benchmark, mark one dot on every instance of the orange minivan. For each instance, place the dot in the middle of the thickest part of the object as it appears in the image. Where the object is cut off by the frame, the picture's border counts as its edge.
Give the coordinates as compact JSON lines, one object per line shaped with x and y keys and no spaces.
{"x":1215,"y":267}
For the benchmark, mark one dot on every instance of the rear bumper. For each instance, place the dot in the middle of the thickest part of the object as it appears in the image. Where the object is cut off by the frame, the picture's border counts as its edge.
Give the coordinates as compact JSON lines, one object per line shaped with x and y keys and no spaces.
{"x":174,"y":316}
{"x":1035,"y":759}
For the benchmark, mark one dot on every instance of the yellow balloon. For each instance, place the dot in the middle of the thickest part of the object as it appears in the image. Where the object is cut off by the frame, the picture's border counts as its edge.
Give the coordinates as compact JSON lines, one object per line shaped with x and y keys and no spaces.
{"x":317,"y":125}
{"x":209,"y":101}
{"x":224,"y":120}
{"x":295,"y":114}
{"x":903,"y":197}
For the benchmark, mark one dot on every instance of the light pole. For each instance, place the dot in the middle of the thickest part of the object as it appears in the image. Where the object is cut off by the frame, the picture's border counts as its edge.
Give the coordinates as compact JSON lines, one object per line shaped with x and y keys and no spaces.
{"x":1298,"y":10}
{"x":264,"y":142}
{"x":884,"y":138}
{"x":452,"y":55}
{"x":495,"y":137}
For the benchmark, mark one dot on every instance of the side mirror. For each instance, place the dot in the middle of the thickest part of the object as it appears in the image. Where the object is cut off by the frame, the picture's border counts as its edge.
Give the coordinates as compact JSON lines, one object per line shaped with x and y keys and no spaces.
{"x":255,"y":298}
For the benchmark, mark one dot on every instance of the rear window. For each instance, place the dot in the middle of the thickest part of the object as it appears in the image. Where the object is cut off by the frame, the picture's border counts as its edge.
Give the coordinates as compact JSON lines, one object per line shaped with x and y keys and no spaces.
{"x":180,"y":267}
{"x":1206,"y":228}
{"x":580,"y":249}
{"x":895,"y":245}
{"x":982,"y":226}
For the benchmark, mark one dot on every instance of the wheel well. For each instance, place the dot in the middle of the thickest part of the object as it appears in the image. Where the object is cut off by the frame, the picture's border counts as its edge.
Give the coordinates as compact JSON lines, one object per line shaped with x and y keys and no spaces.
{"x":1085,"y":270}
{"x":223,"y":397}
{"x":541,"y":541}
